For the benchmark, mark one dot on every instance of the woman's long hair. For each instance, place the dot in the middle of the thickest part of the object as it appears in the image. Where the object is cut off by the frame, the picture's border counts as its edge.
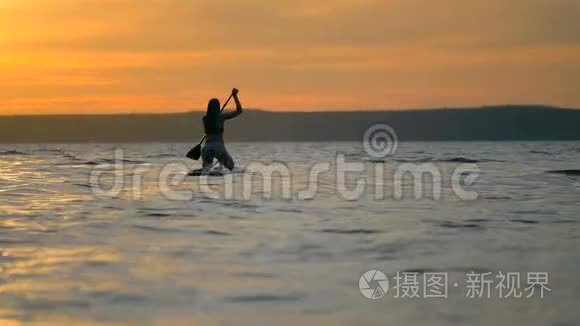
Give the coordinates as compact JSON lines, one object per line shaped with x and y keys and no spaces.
{"x":212,"y":114}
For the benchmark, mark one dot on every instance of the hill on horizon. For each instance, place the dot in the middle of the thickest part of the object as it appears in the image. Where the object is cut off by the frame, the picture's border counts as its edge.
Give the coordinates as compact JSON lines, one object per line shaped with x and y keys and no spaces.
{"x":508,"y":122}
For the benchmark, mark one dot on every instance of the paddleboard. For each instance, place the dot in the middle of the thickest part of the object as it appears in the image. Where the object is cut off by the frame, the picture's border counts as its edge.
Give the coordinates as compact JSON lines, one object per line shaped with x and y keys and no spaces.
{"x":201,"y":172}
{"x":216,"y":172}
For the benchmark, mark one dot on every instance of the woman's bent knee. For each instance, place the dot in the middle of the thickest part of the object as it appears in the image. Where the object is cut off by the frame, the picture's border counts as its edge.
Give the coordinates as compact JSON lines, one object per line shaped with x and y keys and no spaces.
{"x":228,"y":163}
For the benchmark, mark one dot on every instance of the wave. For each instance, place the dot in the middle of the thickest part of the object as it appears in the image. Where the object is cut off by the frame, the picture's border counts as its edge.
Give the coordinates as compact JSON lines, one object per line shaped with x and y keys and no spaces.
{"x":496,"y":197}
{"x":70,"y":156}
{"x":461,"y":160}
{"x":111,"y":161}
{"x":158,"y":215}
{"x":156,"y":229}
{"x":265,"y":297}
{"x":90,"y":163}
{"x":162,"y":156}
{"x":11,"y":152}
{"x":570,"y":150}
{"x":458,"y":159}
{"x":82,"y":185}
{"x":524,"y":221}
{"x":559,"y":152}
{"x":218,"y":233}
{"x":456,"y":225}
{"x":349,"y":231}
{"x":540,"y":152}
{"x":49,"y":150}
{"x":572,"y":172}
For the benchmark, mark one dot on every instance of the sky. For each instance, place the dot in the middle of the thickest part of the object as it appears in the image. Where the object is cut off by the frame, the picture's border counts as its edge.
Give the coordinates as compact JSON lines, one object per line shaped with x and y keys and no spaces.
{"x":118,"y":56}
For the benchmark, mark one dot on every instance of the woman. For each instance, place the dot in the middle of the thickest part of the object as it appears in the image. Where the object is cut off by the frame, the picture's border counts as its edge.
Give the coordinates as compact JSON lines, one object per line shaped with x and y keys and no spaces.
{"x":213,"y":124}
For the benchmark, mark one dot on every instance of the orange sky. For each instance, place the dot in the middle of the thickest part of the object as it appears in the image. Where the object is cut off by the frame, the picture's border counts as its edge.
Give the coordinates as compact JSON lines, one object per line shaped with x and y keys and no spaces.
{"x":102,"y":56}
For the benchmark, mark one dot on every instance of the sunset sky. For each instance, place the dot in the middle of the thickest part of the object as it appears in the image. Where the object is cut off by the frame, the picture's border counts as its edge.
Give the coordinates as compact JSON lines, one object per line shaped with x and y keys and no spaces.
{"x":102,"y":56}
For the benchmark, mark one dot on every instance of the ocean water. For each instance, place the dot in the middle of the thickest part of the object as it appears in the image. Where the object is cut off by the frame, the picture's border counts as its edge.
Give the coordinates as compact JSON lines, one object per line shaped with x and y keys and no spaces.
{"x":138,"y":243}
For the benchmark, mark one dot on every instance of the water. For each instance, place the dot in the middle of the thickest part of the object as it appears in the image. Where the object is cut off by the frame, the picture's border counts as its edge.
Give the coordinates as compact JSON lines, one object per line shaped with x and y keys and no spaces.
{"x":68,"y":256}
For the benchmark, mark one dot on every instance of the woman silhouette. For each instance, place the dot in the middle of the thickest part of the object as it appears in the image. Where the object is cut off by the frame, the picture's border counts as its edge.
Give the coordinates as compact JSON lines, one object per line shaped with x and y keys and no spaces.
{"x":213,"y":124}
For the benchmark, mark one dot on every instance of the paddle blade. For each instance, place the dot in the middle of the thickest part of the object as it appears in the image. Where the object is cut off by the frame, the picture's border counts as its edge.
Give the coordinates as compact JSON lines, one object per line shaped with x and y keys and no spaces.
{"x":195,"y":153}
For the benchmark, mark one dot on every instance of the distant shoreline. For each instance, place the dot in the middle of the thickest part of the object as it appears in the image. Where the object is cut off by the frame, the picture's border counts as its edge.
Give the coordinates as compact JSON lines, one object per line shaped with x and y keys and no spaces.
{"x":491,"y":123}
{"x":287,"y":111}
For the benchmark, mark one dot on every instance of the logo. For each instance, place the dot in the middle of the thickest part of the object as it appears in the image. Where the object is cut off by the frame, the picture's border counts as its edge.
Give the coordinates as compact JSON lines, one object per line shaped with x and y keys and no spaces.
{"x":373,"y":284}
{"x":380,"y":141}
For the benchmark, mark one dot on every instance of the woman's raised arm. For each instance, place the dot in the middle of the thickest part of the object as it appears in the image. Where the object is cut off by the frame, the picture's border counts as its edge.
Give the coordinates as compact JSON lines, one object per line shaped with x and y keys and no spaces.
{"x":239,"y":109}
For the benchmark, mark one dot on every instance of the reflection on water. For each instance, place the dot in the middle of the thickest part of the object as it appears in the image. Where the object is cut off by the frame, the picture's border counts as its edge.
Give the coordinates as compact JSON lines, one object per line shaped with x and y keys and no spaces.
{"x":68,"y":257}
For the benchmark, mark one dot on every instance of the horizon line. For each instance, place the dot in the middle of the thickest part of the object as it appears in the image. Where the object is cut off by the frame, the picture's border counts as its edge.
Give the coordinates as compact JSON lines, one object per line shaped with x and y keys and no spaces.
{"x":352,"y":110}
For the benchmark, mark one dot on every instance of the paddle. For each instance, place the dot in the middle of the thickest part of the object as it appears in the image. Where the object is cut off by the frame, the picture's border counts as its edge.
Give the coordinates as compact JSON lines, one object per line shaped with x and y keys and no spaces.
{"x":195,"y":152}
